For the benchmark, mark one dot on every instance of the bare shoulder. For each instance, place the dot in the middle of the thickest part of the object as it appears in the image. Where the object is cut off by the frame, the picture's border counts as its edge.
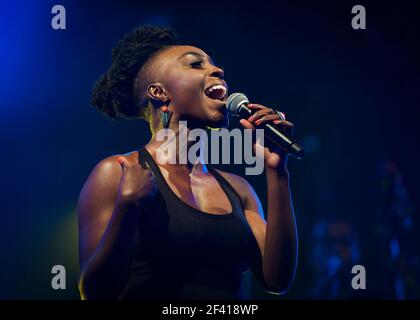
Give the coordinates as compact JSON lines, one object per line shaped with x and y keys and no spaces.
{"x":110,"y":165}
{"x":105,"y":168}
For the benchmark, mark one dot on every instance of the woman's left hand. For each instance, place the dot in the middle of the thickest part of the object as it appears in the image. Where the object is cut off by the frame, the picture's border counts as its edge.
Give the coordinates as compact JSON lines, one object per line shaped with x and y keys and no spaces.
{"x":275,"y":158}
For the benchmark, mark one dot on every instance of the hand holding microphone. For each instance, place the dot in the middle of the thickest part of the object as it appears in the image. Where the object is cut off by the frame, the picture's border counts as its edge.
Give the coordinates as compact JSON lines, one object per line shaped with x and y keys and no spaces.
{"x":271,"y":120}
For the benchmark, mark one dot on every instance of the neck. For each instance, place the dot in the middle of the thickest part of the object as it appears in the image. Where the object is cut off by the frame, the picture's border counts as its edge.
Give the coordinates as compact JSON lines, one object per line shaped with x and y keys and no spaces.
{"x":171,"y":148}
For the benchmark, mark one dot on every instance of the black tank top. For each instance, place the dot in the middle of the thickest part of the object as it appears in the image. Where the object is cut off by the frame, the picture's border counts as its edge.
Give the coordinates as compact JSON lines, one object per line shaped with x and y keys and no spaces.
{"x":184,"y":253}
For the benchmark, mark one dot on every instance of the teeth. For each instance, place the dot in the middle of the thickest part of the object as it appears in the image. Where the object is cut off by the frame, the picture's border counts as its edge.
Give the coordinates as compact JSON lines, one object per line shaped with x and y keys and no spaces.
{"x":218,"y":87}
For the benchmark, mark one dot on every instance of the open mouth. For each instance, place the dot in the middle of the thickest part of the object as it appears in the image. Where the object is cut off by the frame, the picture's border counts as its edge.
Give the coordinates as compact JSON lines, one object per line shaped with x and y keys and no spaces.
{"x":216,"y":92}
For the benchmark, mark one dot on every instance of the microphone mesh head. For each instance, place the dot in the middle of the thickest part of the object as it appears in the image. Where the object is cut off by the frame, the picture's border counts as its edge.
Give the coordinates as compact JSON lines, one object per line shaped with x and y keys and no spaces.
{"x":234,"y":102}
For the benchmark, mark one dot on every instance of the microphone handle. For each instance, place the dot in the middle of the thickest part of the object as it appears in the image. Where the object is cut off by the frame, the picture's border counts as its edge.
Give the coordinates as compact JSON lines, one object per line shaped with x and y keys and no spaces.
{"x":274,"y":134}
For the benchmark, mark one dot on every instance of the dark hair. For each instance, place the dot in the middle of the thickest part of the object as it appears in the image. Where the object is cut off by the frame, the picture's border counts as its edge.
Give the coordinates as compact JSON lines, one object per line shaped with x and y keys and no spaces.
{"x":114,"y":94}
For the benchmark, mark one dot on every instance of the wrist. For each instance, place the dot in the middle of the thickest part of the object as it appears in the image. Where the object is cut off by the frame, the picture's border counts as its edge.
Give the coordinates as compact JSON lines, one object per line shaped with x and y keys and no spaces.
{"x":282,"y":174}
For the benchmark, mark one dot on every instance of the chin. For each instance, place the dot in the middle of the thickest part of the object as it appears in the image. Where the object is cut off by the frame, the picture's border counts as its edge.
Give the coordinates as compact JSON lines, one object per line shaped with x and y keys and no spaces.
{"x":217,"y":114}
{"x":219,"y":121}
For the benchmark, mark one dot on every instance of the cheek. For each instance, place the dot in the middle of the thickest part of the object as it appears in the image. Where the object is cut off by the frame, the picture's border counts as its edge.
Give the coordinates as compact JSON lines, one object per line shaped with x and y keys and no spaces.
{"x":187,"y":93}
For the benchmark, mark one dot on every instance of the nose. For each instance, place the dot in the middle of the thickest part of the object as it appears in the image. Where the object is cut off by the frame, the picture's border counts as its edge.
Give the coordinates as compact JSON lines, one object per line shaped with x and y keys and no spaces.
{"x":217,"y":72}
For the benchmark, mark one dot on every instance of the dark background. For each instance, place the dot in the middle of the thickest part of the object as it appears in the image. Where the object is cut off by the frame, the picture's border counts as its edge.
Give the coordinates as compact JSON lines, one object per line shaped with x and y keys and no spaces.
{"x":352,"y":94}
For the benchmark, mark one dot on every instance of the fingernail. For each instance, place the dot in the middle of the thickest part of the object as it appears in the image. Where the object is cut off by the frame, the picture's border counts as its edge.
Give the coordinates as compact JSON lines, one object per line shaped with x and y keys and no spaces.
{"x":276,"y":121}
{"x":251,"y":118}
{"x":257,"y":122}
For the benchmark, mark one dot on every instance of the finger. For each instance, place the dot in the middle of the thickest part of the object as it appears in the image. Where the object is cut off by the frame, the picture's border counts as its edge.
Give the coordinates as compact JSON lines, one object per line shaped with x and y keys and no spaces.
{"x":256,"y":106}
{"x":266,"y":118}
{"x":284,"y":123}
{"x":259,"y":114}
{"x":259,"y":147}
{"x":123,"y":162}
{"x":246,"y":124}
{"x":288,"y":126}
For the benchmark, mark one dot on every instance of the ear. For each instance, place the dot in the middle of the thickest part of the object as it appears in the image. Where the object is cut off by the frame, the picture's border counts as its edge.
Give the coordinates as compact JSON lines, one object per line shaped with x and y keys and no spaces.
{"x":157,"y":93}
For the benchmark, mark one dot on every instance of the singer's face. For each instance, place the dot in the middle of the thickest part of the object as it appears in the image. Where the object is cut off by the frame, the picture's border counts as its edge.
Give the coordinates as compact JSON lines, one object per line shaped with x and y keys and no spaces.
{"x":189,"y":75}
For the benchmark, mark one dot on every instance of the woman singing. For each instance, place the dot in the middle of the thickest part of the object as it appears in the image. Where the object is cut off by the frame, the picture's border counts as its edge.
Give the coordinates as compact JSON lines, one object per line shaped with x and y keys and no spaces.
{"x":149,"y":230}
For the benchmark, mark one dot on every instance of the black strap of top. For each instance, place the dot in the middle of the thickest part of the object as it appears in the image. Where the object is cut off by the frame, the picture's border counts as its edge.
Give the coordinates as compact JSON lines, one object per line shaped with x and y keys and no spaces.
{"x":225,"y":183}
{"x":146,"y":161}
{"x":142,"y":160}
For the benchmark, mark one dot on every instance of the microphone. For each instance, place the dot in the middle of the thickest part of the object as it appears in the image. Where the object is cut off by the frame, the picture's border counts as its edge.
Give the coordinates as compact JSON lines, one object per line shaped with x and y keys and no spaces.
{"x":237,"y":106}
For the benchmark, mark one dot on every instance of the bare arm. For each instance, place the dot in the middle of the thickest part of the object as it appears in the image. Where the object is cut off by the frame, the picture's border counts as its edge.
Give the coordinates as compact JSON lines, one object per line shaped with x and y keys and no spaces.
{"x":281,"y":242}
{"x":108,"y":210}
{"x":274,"y":265}
{"x":276,"y":237}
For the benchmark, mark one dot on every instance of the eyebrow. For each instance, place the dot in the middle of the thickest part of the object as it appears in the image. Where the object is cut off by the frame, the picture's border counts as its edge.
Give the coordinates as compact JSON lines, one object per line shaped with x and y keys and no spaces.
{"x":198,"y":54}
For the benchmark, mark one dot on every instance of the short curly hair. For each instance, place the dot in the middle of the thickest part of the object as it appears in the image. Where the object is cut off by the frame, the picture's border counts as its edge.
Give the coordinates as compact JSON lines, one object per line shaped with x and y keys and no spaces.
{"x":115,"y":94}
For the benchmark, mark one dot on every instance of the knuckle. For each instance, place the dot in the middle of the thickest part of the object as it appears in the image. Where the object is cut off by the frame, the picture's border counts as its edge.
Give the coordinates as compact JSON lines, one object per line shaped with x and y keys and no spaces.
{"x":127,"y":193}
